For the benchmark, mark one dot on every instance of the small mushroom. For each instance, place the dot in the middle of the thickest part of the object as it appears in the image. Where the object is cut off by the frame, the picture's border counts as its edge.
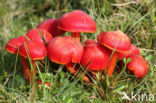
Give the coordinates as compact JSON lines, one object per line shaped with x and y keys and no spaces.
{"x":133,"y":50}
{"x":63,"y":50}
{"x":36,"y":51}
{"x":117,"y":41}
{"x":51,"y":26}
{"x":35,"y":34}
{"x":13,"y":45}
{"x":138,"y":65}
{"x":96,"y":56}
{"x":76,"y":22}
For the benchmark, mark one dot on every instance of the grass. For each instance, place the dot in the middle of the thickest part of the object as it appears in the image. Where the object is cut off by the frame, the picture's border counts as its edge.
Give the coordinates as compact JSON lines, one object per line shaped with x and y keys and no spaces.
{"x":136,"y":18}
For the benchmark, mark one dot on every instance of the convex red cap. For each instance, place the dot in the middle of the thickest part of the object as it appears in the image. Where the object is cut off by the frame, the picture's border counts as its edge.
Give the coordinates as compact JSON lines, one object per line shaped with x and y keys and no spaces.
{"x":95,"y":56}
{"x":35,"y":49}
{"x":14,"y":43}
{"x":133,"y":50}
{"x":115,"y":39}
{"x":35,"y":34}
{"x":138,"y":65}
{"x":62,"y":50}
{"x":77,"y":21}
{"x":51,"y":25}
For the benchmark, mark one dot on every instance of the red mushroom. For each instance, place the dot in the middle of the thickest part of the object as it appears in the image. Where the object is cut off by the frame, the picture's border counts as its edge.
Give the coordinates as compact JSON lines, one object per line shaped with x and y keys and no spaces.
{"x":36,"y":51}
{"x":65,"y":50}
{"x":117,"y":41}
{"x":96,"y":56}
{"x":13,"y":45}
{"x":133,"y":50}
{"x":138,"y":65}
{"x":35,"y":34}
{"x":77,"y":21}
{"x":51,"y":25}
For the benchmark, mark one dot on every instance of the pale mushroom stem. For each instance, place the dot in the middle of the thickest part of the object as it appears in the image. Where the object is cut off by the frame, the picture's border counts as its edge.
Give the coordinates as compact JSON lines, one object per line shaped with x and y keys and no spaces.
{"x":112,"y":64}
{"x":76,"y":35}
{"x":74,"y":71}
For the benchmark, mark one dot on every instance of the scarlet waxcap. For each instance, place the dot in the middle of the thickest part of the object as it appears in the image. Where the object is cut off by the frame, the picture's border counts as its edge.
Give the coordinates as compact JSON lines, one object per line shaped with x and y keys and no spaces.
{"x":35,"y":49}
{"x":138,"y":65}
{"x":95,"y":56}
{"x":63,"y":50}
{"x":77,"y":21}
{"x":34,"y":34}
{"x":133,"y":50}
{"x":14,"y":43}
{"x":51,"y":25}
{"x":115,"y":39}
{"x":89,"y":42}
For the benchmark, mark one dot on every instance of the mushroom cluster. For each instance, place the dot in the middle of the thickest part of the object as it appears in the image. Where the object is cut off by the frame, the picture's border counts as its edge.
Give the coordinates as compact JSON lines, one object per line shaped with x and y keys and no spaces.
{"x":101,"y":54}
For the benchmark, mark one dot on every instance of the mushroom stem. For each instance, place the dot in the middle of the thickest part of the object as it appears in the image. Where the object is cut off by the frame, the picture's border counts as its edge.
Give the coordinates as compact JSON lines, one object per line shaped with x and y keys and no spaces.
{"x":76,"y":35}
{"x":32,"y":80}
{"x":73,"y":35}
{"x":74,"y":71}
{"x":33,"y":72}
{"x":25,"y":68}
{"x":28,"y":74}
{"x":112,"y":64}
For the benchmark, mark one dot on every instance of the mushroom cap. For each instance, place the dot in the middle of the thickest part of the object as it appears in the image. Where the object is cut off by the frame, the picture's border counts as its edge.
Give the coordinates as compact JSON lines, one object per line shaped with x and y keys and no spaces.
{"x":138,"y":65}
{"x":133,"y":50}
{"x":77,"y":21}
{"x":51,"y":26}
{"x":89,"y":42}
{"x":115,"y":39}
{"x":35,"y":49}
{"x":63,"y":50}
{"x":95,"y":56}
{"x":34,"y":34}
{"x":13,"y":44}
